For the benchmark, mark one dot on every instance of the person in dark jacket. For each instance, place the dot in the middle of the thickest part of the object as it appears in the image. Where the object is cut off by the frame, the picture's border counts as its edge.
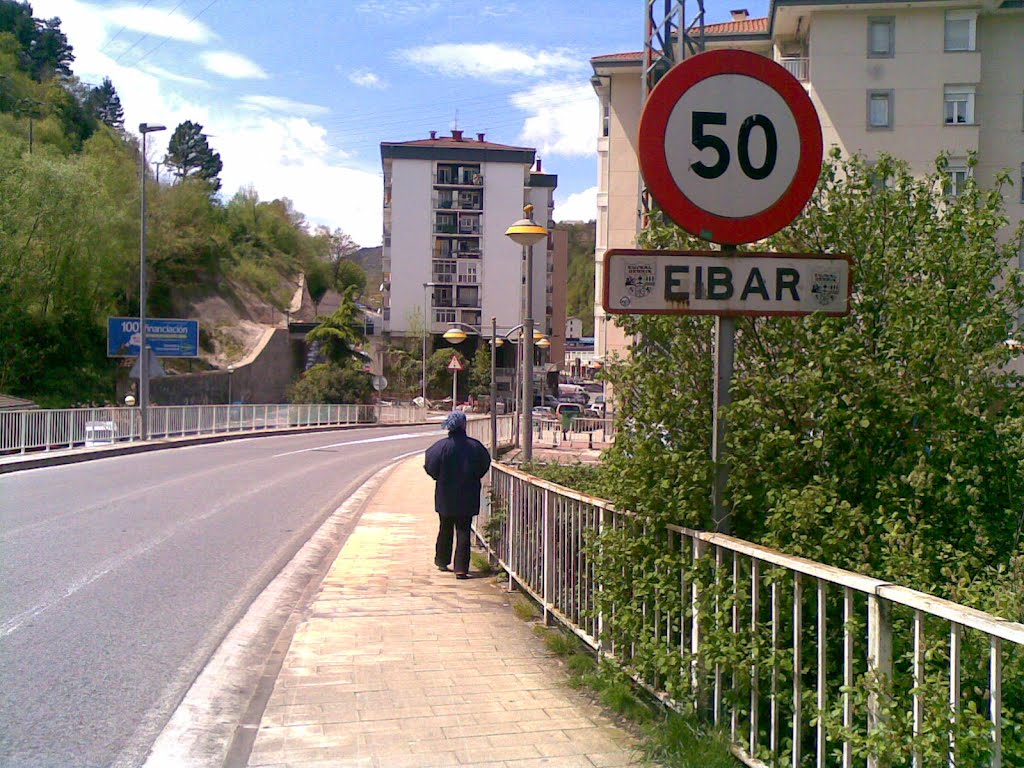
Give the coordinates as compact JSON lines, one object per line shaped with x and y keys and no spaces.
{"x":457,"y":463}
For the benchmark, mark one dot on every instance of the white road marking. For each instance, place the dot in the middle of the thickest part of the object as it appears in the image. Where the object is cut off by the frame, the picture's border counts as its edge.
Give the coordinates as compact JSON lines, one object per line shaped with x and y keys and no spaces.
{"x":405,"y":436}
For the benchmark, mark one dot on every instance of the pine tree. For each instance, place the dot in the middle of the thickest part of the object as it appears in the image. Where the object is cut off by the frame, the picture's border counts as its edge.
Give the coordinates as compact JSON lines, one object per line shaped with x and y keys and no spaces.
{"x":105,"y":105}
{"x":189,"y":155}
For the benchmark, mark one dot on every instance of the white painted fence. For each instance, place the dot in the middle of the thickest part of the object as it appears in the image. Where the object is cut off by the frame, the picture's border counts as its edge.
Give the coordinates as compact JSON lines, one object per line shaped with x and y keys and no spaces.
{"x":778,"y":613}
{"x":22,"y":431}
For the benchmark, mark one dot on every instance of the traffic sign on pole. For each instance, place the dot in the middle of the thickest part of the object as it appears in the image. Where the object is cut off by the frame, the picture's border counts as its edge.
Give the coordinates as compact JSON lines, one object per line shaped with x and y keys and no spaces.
{"x":454,"y":364}
{"x":655,"y":282}
{"x":730,"y":146}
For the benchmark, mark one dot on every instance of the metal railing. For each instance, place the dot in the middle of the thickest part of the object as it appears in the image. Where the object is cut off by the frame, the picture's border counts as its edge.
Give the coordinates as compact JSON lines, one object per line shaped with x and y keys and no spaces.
{"x":481,"y":430}
{"x":798,"y":67}
{"x":581,"y":431}
{"x":738,"y":618}
{"x":22,"y":431}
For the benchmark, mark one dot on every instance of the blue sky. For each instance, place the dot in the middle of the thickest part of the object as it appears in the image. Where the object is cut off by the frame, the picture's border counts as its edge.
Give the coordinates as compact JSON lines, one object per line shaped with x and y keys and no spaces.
{"x":297,"y":96}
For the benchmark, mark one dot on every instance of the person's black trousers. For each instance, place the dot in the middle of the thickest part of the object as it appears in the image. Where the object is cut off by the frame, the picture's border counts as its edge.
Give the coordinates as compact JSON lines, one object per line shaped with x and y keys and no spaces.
{"x":461,"y":527}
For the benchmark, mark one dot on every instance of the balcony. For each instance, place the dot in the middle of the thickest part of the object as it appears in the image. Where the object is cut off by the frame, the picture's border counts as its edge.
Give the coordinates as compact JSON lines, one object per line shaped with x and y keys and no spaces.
{"x":798,"y":66}
{"x":469,"y":279}
{"x":443,"y":278}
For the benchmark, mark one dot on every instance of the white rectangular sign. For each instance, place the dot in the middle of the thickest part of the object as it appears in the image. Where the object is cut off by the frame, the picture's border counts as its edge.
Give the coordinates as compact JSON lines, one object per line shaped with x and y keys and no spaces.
{"x":640,"y":282}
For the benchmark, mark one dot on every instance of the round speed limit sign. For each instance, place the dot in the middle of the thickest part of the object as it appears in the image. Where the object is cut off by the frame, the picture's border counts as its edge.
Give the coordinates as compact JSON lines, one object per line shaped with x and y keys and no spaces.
{"x":730,"y":146}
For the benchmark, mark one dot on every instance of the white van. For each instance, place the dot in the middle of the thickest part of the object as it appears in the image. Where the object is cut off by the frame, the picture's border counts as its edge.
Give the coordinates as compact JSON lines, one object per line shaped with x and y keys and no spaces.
{"x":572,"y":393}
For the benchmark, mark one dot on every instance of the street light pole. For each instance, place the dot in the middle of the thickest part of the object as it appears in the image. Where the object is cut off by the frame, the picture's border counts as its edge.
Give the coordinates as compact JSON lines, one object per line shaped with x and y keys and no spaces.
{"x":426,"y":332}
{"x":144,"y":128}
{"x":526,"y":232}
{"x":494,"y":387}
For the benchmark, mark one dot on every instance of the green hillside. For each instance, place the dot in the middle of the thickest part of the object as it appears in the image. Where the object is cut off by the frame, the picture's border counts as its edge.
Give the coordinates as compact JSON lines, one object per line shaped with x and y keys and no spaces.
{"x":580,"y":297}
{"x":69,"y":226}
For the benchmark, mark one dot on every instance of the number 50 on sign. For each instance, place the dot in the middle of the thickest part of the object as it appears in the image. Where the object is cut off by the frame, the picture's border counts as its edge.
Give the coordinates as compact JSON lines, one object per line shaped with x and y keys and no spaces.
{"x":730,"y":146}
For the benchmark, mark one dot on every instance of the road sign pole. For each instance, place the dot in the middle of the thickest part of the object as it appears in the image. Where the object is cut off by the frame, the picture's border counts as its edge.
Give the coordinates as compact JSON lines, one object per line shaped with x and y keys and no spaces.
{"x":455,"y":386}
{"x":725,"y":345}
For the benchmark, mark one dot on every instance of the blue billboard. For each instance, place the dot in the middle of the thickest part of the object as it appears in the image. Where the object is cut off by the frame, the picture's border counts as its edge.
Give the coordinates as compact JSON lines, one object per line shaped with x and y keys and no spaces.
{"x":166,"y":337}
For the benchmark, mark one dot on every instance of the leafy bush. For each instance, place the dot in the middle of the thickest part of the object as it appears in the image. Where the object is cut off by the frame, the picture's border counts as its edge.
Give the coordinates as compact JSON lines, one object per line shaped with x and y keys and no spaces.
{"x":332,"y":383}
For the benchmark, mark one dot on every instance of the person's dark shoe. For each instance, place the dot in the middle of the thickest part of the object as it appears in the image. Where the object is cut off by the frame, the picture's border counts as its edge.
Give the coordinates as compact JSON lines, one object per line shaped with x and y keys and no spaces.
{"x":441,"y":567}
{"x":461,"y":575}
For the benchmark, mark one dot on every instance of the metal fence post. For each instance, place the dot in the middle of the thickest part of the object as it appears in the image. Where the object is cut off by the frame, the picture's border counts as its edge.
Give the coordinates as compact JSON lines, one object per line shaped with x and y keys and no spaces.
{"x":879,"y":662}
{"x":549,"y":557}
{"x":695,"y":633}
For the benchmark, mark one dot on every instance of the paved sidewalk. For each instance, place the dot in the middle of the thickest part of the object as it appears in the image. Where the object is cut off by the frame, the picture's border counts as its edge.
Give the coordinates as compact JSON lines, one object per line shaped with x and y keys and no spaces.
{"x":399,"y":665}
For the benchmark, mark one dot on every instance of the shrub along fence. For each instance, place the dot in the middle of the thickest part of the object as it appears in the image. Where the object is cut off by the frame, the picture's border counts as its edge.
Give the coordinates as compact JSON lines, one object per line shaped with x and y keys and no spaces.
{"x":802,"y":663}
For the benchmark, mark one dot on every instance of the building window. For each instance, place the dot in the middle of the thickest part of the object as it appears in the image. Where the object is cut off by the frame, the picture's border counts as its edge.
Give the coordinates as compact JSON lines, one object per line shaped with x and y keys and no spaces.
{"x":444,"y":315}
{"x":957,"y":174}
{"x":959,"y":105}
{"x":606,"y":116}
{"x":881,"y":37}
{"x":960,"y":30}
{"x":879,"y":109}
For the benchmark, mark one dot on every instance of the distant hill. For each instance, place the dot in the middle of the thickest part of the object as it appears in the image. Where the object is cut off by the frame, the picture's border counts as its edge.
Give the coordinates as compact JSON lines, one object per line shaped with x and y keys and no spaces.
{"x":371,"y":260}
{"x":580,"y":295}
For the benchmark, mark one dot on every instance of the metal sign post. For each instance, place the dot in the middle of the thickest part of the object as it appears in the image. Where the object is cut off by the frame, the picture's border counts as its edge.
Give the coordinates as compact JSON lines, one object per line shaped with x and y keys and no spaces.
{"x":730,"y":148}
{"x":455,"y":366}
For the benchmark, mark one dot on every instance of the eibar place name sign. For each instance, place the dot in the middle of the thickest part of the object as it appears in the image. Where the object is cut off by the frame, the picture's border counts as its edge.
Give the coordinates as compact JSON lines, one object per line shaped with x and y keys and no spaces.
{"x":638,"y":282}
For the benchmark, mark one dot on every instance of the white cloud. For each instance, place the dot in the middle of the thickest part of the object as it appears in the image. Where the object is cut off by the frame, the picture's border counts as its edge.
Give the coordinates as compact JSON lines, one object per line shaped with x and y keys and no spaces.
{"x":411,"y":10}
{"x":232,"y":65}
{"x":280,"y":155}
{"x":562,"y":118}
{"x":157,"y":22}
{"x":364,"y":78}
{"x":174,"y":77}
{"x":579,"y":206}
{"x":281,"y":104}
{"x":490,"y":61}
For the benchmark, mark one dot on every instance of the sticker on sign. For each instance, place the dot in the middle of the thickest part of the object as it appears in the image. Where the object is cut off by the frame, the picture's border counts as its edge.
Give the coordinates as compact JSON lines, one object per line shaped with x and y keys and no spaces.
{"x":712,"y":283}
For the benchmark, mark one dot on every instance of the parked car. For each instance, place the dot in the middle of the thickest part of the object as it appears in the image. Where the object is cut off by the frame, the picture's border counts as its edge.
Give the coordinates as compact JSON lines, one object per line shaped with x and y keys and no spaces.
{"x":543,"y":410}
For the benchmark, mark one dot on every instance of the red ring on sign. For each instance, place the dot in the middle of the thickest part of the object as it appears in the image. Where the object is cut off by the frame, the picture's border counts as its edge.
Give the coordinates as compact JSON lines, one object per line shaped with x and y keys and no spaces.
{"x":654,"y":165}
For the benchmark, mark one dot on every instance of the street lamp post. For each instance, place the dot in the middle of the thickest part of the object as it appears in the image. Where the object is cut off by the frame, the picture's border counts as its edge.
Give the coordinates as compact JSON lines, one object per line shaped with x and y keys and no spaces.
{"x":426,"y":332}
{"x":231,"y":371}
{"x":144,"y":129}
{"x":456,"y":336}
{"x":526,"y":233}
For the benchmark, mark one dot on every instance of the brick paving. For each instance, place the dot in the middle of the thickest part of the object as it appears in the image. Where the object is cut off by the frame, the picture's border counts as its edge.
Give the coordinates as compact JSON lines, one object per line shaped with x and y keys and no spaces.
{"x":399,"y":665}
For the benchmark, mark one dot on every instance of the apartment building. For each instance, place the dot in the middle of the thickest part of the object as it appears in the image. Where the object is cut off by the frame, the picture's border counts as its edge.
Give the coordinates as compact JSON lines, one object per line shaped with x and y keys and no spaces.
{"x":910,"y":79}
{"x":447,"y":203}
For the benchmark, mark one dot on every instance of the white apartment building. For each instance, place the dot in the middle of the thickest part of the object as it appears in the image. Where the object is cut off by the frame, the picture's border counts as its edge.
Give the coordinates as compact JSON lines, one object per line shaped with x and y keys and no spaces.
{"x":910,"y":79}
{"x":447,"y":204}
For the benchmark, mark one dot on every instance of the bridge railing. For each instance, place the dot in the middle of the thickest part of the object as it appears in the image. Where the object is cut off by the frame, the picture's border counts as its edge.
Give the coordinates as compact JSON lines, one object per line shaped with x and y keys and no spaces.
{"x":580,"y":431}
{"x":885,"y":675}
{"x":22,"y":431}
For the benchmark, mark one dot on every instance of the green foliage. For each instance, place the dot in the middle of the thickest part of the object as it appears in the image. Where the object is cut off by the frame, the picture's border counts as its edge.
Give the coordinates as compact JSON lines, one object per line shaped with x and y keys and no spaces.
{"x":189,"y":155}
{"x":439,"y":378}
{"x":676,"y":741}
{"x":105,"y":105}
{"x":340,"y":335}
{"x":318,"y":280}
{"x":525,"y":608}
{"x":480,"y":371}
{"x":887,"y":442}
{"x":403,"y":370}
{"x":348,"y":274}
{"x":585,"y":478}
{"x":580,"y":276}
{"x":335,"y":383}
{"x":44,"y":49}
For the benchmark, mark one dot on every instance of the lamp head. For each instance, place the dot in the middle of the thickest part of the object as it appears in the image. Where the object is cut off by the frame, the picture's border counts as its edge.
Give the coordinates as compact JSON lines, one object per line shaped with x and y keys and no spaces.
{"x":526,"y":231}
{"x":147,"y":128}
{"x":543,"y":342}
{"x":454,"y":335}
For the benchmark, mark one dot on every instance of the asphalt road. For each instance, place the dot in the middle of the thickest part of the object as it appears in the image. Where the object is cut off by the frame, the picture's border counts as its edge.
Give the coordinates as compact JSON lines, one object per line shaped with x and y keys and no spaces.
{"x":119,"y":577}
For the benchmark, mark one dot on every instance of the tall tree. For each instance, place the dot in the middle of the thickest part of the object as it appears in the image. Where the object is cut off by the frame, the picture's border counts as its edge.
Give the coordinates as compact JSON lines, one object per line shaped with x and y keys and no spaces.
{"x":105,"y":105}
{"x":45,"y":51}
{"x":341,"y":334}
{"x":189,"y":155}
